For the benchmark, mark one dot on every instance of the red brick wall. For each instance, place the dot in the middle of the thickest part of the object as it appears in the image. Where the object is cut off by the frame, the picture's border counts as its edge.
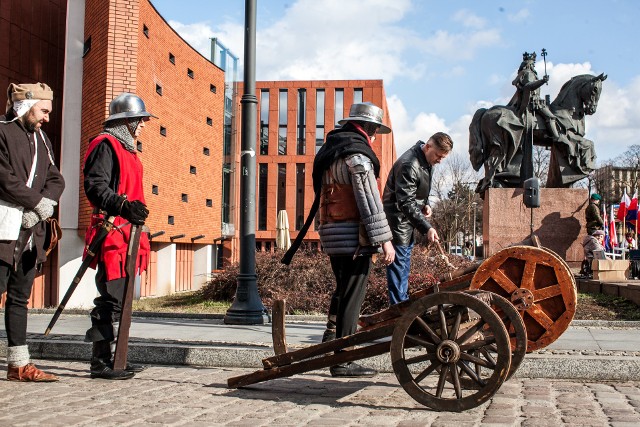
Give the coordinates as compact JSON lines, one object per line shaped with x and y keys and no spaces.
{"x":123,"y":58}
{"x":33,"y":43}
{"x":373,"y":91}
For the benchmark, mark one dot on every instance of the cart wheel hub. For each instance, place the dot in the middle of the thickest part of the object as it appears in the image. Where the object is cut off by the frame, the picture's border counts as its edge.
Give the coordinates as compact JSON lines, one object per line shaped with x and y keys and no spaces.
{"x":448,"y":352}
{"x":522,"y":298}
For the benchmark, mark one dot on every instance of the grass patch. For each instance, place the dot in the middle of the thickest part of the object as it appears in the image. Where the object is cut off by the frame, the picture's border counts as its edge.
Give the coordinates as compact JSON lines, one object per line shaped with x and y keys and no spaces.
{"x":605,"y":307}
{"x":184,"y":302}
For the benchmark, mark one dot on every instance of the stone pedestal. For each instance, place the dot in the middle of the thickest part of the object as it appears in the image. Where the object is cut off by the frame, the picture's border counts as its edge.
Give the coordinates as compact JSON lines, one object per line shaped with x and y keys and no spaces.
{"x":559,"y":222}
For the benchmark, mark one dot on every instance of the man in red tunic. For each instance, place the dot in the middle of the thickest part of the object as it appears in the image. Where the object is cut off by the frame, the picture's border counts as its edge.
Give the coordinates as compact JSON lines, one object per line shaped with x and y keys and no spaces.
{"x":113,"y":186}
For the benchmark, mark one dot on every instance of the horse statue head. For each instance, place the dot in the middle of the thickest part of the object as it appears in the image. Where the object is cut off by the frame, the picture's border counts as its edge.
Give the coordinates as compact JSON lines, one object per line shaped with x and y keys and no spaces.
{"x":580,"y":94}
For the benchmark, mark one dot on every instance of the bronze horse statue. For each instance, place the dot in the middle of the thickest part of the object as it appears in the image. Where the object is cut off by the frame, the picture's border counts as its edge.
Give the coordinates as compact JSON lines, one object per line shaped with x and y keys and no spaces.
{"x":497,"y":137}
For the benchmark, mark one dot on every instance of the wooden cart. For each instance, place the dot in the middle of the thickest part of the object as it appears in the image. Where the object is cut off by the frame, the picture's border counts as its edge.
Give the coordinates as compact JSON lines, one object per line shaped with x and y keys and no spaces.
{"x":452,"y":345}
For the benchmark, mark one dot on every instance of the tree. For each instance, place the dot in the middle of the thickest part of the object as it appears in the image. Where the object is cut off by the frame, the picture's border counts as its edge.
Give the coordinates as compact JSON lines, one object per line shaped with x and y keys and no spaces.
{"x":541,"y":157}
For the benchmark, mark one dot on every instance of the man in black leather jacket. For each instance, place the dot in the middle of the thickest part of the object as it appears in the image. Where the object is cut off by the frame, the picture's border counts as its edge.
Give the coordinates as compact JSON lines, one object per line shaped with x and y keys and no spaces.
{"x":405,"y":198}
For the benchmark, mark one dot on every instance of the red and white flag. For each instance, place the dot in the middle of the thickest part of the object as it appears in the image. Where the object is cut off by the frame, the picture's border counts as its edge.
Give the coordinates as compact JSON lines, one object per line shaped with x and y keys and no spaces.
{"x":624,"y":205}
{"x":612,"y":230}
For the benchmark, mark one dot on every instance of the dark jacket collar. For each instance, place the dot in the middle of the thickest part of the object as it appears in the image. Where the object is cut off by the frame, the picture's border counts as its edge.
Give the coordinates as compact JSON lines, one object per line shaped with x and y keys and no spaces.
{"x":417,"y":148}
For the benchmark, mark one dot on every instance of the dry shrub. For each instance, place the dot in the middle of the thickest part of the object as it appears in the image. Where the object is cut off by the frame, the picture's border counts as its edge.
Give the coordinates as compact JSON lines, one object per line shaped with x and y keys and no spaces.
{"x":307,"y":284}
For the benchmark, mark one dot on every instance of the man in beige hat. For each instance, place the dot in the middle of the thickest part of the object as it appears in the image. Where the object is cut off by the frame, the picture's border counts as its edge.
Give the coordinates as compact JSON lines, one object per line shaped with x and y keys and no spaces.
{"x":30,"y":186}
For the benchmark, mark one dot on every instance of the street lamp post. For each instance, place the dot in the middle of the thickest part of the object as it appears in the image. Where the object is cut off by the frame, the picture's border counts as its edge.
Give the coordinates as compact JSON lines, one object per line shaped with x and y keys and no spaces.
{"x":247,"y":308}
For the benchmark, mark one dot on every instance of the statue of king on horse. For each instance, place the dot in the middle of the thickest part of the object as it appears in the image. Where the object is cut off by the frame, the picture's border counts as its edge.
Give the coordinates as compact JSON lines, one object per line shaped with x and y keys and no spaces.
{"x":501,"y":137}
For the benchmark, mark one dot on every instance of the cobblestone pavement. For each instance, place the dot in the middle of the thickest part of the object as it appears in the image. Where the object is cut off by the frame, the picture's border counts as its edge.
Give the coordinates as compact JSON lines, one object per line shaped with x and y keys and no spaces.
{"x":187,"y":396}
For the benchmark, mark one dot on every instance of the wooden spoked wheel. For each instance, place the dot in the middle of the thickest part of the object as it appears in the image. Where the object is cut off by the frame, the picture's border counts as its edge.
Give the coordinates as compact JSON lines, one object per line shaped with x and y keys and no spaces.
{"x":447,"y":329}
{"x":538,"y":283}
{"x":513,"y":323}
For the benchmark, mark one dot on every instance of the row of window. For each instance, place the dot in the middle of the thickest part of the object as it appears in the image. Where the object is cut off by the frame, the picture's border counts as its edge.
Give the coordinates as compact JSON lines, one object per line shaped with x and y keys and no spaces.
{"x":172,"y":59}
{"x":301,"y":118}
{"x":281,"y":193}
{"x":184,"y":197}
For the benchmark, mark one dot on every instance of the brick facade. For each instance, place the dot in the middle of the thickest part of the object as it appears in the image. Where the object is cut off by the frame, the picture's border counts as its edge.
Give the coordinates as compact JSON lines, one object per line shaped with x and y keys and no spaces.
{"x":383,"y":146}
{"x":132,"y":53}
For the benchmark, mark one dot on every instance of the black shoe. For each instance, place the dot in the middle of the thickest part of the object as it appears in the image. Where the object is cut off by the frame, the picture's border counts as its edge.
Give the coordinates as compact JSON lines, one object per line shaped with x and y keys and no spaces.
{"x":105,"y":372}
{"x":352,"y":370}
{"x":131,"y":367}
{"x":329,"y":335}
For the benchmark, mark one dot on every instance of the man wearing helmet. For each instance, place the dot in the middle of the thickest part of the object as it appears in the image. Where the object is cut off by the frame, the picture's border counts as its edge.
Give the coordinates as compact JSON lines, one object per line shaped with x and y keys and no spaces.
{"x":30,"y":186}
{"x":353,"y":225}
{"x":113,"y":186}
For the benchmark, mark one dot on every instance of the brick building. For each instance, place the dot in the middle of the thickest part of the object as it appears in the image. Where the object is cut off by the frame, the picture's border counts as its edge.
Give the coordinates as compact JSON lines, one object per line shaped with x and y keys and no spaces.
{"x":293,"y":119}
{"x":90,"y":51}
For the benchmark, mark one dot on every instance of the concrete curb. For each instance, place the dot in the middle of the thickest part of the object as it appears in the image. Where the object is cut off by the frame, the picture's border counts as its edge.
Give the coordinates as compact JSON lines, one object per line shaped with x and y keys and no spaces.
{"x":586,"y":365}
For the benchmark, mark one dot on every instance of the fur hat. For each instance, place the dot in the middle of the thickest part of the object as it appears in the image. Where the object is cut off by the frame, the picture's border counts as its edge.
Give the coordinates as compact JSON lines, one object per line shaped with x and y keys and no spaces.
{"x":598,"y":233}
{"x":20,"y":92}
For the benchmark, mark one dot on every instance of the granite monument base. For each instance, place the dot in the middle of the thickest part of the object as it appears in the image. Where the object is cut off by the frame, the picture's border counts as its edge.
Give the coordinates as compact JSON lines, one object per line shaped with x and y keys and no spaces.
{"x":558,"y":223}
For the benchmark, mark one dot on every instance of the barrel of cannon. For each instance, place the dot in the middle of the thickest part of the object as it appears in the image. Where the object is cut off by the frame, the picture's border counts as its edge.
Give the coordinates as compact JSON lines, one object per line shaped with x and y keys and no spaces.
{"x":540,"y":285}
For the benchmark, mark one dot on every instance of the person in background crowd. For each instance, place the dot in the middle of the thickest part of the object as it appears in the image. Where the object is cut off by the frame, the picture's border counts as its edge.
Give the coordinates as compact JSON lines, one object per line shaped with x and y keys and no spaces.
{"x":30,"y":187}
{"x":592,"y":215}
{"x":590,"y":244}
{"x":113,"y":186}
{"x":405,"y":201}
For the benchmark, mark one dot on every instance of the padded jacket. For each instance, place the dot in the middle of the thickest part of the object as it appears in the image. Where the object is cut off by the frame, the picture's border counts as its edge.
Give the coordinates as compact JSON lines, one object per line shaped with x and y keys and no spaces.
{"x":406,"y":193}
{"x":356,"y":237}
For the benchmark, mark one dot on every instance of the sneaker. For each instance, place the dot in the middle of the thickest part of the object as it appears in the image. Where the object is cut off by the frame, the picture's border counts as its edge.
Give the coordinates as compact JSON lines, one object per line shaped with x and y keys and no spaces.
{"x":29,"y":372}
{"x":352,"y":370}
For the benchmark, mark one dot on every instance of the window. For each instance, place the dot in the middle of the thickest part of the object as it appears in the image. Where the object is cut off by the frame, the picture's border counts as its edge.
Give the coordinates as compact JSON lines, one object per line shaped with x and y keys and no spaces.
{"x":209,"y":203}
{"x":302,"y":122}
{"x":185,"y":197}
{"x":264,"y":121}
{"x":282,"y":122}
{"x":282,"y":187}
{"x":172,"y":58}
{"x":267,"y":246}
{"x":339,"y":106}
{"x":190,"y":73}
{"x":213,"y":88}
{"x":300,"y":178}
{"x":154,"y":189}
{"x":163,"y":131}
{"x":357,"y":96}
{"x":192,"y":169}
{"x":258,"y":246}
{"x":87,"y":47}
{"x":158,"y":89}
{"x":209,"y":121}
{"x":319,"y":119}
{"x":170,"y":220}
{"x":139,"y":146}
{"x":205,"y":151}
{"x":145,"y":30}
{"x":262,"y":196}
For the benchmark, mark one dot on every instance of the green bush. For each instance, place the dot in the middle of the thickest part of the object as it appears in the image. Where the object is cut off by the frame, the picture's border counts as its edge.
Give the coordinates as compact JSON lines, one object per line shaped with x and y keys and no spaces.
{"x":307,"y":284}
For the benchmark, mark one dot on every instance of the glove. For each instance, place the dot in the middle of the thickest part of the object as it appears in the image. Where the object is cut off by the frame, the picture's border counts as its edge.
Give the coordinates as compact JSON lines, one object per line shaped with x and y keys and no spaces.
{"x":44,"y":208}
{"x":135,"y":212}
{"x":29,"y":219}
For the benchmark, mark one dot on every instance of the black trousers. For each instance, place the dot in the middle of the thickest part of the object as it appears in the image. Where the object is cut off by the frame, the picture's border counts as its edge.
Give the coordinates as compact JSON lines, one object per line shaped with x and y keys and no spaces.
{"x":351,"y":286}
{"x":17,"y":284}
{"x":108,"y":307}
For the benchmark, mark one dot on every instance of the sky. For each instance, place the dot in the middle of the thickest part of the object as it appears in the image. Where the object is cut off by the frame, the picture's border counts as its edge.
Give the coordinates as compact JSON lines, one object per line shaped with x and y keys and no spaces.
{"x":440,"y":60}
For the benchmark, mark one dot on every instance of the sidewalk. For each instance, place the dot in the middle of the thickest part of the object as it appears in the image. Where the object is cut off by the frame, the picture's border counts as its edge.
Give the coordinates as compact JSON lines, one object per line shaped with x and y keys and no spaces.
{"x":588,"y":350}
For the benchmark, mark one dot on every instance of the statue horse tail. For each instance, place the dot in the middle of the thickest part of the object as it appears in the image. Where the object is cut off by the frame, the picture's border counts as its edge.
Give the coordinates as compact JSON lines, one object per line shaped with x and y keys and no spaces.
{"x":476,"y":141}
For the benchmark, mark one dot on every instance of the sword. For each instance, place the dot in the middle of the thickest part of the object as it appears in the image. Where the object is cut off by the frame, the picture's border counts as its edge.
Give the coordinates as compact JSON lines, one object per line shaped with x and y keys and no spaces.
{"x":131,"y":264}
{"x":92,"y":250}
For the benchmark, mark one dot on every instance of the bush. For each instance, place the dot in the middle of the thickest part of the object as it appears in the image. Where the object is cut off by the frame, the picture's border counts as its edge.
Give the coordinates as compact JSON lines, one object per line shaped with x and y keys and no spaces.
{"x":307,"y":284}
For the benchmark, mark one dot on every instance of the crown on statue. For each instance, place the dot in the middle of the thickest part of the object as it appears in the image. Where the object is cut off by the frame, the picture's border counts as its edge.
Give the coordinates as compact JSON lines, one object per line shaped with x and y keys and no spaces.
{"x":529,"y":56}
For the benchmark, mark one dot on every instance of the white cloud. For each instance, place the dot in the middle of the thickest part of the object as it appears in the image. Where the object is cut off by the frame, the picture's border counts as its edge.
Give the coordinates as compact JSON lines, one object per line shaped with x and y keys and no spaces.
{"x":519,"y":16}
{"x":469,"y":19}
{"x":459,"y":46}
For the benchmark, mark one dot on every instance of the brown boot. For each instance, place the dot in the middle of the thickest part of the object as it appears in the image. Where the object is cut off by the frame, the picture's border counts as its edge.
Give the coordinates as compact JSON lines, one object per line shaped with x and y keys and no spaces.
{"x":29,"y":372}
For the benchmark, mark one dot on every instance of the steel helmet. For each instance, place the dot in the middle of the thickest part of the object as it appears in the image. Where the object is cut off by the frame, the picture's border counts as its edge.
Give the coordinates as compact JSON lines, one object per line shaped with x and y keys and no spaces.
{"x":366,"y":112}
{"x":127,"y":105}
